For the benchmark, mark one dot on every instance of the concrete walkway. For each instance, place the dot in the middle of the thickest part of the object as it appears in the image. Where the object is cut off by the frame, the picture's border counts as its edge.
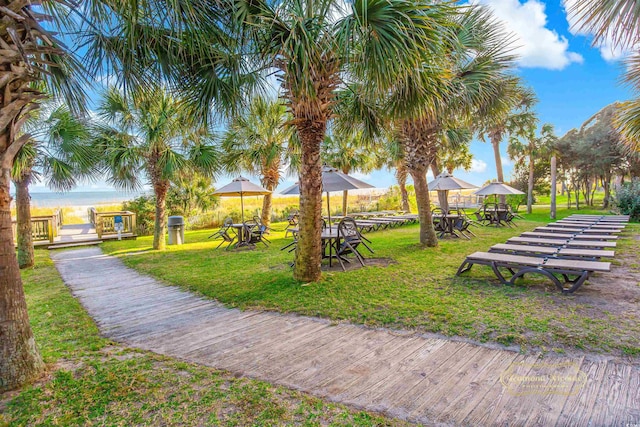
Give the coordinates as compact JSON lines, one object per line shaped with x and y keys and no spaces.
{"x":405,"y":375}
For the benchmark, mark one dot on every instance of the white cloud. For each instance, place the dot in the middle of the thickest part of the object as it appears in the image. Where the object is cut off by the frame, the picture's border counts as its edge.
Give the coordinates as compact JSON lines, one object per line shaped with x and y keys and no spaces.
{"x":506,"y":161}
{"x":537,"y":45}
{"x":608,"y":50}
{"x":478,"y":166}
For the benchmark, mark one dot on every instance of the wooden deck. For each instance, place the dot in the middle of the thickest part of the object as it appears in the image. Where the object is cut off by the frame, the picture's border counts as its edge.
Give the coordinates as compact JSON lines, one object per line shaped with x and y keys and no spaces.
{"x":405,"y":375}
{"x":78,"y":235}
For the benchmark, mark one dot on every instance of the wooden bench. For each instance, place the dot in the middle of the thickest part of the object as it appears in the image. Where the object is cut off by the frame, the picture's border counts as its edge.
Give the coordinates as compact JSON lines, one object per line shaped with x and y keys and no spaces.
{"x":572,"y":272}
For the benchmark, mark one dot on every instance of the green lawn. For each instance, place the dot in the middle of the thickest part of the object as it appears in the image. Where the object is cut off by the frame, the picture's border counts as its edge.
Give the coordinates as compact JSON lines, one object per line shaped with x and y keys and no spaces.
{"x":418,"y":292}
{"x":92,"y":381}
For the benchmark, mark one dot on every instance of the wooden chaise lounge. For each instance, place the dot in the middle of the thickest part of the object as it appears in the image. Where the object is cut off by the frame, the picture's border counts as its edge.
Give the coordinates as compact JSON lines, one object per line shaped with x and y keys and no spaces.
{"x":562,"y":242}
{"x":576,"y":230}
{"x":568,"y":236}
{"x":572,"y":272}
{"x":547,"y":251}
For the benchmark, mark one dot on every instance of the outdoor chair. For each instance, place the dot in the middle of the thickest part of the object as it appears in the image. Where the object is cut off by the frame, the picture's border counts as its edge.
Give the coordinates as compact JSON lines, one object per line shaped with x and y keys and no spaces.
{"x":351,"y":239}
{"x":293,"y":219}
{"x":461,"y":225}
{"x":265,"y":229}
{"x":566,"y":274}
{"x":225,"y":233}
{"x":254,"y":233}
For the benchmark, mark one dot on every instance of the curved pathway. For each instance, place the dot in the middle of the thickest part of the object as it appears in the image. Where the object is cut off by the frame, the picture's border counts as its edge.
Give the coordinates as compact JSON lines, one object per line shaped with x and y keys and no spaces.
{"x":403,"y":374}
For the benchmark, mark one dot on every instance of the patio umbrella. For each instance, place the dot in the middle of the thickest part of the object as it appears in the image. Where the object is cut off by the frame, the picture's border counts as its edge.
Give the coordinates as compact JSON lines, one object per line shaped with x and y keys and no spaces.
{"x":498,"y":189}
{"x":241,"y":187}
{"x":332,"y":180}
{"x":446,"y":182}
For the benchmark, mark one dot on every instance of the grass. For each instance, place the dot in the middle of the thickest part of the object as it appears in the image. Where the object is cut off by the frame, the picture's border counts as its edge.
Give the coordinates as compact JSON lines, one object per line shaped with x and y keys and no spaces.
{"x":93,"y":382}
{"x":419,"y":292}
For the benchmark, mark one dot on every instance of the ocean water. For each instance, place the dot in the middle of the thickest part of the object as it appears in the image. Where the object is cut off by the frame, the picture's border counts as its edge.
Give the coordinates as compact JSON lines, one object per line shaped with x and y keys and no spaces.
{"x":80,"y":198}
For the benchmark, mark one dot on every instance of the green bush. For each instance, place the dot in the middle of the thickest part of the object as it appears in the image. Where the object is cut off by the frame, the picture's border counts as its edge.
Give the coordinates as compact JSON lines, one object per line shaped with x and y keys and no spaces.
{"x":145,"y":209}
{"x":627,"y":199}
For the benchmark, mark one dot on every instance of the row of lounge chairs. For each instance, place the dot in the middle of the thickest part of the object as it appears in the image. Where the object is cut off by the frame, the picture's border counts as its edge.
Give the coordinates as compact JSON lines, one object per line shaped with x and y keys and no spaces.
{"x":566,"y":251}
{"x":366,"y":221}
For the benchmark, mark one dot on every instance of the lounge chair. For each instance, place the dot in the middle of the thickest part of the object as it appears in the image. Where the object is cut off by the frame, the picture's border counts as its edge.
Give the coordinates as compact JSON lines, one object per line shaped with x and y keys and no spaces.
{"x":547,"y":251}
{"x":225,"y":233}
{"x":519,"y":265}
{"x":562,"y":242}
{"x":568,"y":236}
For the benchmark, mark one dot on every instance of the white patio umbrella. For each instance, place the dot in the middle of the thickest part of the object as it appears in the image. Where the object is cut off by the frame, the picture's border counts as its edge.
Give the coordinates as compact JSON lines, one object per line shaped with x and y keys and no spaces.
{"x":241,"y":187}
{"x":446,"y":182}
{"x":498,"y":189}
{"x":332,"y":180}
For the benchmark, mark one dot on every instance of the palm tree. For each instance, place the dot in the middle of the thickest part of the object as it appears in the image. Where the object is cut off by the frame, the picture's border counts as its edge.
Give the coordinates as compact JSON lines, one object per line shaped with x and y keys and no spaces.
{"x":151,"y":132}
{"x":57,"y":151}
{"x":349,"y":153}
{"x":314,"y":46}
{"x":616,"y":22}
{"x":30,"y":53}
{"x":394,"y":159}
{"x":474,"y":66}
{"x":503,"y":115}
{"x":258,"y":141}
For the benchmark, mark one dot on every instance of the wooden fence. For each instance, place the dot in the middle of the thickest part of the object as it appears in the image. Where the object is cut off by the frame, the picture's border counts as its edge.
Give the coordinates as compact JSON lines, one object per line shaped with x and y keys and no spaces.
{"x":105,"y":222}
{"x":43,"y":228}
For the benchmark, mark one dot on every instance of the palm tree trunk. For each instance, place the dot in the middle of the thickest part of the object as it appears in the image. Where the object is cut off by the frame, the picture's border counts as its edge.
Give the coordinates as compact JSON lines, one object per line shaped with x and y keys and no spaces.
{"x":443,"y":196}
{"x":401,"y":177}
{"x":309,"y":247}
{"x":606,"y":183}
{"x":20,"y":360}
{"x":554,"y":171}
{"x":427,"y":232}
{"x":496,"y":137}
{"x":23,"y":208}
{"x":160,"y":188}
{"x":270,"y":180}
{"x":345,"y":202}
{"x":530,"y":184}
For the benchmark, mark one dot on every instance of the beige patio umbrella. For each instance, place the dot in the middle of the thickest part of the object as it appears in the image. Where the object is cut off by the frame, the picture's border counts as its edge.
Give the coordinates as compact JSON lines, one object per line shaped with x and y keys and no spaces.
{"x":332,"y":180}
{"x":241,"y":187}
{"x":446,"y":182}
{"x":497,"y":189}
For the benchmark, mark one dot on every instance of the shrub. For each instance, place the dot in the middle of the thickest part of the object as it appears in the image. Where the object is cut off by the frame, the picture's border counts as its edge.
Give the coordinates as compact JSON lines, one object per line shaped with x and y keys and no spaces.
{"x":145,"y":209}
{"x":627,"y":199}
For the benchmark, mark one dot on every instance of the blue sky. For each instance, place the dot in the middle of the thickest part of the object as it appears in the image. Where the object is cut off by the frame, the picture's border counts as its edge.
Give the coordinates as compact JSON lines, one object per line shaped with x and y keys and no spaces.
{"x":572,"y":80}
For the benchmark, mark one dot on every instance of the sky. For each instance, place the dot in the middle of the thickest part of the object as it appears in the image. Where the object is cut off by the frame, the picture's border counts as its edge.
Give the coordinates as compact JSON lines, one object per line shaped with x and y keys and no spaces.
{"x":572,"y":79}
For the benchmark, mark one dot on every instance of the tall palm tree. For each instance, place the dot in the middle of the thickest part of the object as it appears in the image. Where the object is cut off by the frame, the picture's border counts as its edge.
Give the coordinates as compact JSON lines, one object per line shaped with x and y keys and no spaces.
{"x":476,"y":61}
{"x":503,"y":115}
{"x":258,"y":141}
{"x":349,"y":152}
{"x":152,"y":133}
{"x":30,"y":53}
{"x":394,"y":159}
{"x":314,"y":46}
{"x":59,"y":152}
{"x":618,"y":22}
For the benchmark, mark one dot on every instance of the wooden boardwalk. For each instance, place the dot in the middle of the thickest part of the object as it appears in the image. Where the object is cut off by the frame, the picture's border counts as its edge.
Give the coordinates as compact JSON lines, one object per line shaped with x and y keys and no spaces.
{"x":426,"y":380}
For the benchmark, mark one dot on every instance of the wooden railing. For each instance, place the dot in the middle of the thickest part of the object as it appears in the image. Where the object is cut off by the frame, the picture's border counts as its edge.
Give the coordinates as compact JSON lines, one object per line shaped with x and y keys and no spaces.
{"x":105,"y":222}
{"x":43,"y":228}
